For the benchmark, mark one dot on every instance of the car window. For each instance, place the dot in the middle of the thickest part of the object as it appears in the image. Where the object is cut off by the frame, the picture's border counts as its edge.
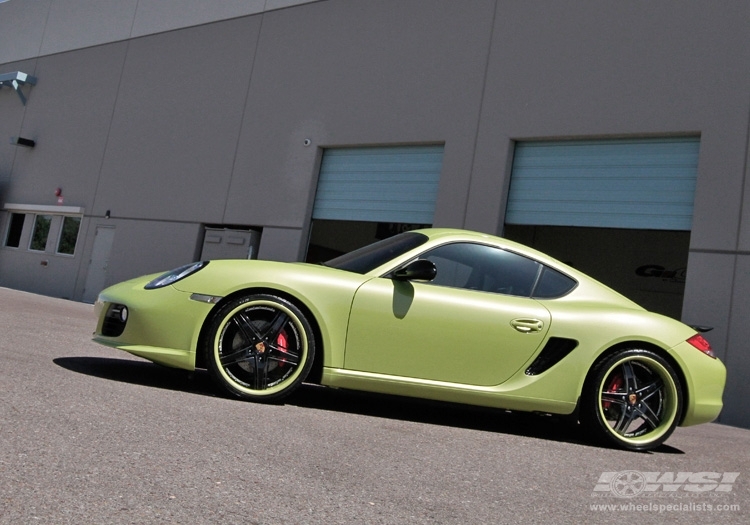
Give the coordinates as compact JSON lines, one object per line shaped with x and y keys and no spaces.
{"x":553,"y":284}
{"x":484,"y":268}
{"x":369,"y":257}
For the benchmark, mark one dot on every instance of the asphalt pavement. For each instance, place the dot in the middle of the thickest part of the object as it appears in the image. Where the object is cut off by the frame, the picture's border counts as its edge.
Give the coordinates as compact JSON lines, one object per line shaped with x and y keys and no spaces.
{"x":91,"y":435}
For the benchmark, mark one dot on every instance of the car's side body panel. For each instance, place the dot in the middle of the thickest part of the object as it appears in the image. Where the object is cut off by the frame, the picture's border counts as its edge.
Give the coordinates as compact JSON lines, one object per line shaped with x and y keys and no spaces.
{"x":525,"y":393}
{"x":704,"y":376}
{"x":423,"y":331}
{"x":165,"y":324}
{"x":325,"y":292}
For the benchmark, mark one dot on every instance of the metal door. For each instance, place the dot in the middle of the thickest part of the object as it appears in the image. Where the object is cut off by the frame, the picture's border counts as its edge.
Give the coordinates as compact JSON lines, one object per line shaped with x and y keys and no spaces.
{"x":99,"y":262}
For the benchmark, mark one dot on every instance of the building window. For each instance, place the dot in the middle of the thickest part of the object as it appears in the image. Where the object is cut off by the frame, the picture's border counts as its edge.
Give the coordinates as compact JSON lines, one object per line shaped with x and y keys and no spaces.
{"x":13,"y":239}
{"x":40,"y":233}
{"x":66,"y":244}
{"x":49,"y":229}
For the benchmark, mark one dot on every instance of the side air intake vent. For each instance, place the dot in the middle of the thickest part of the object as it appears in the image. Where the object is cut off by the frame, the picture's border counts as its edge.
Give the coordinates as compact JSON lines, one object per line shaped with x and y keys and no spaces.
{"x":552,"y":353}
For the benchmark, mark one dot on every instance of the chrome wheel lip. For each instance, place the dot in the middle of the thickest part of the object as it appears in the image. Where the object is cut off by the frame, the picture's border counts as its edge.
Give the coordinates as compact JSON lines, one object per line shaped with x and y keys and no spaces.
{"x":668,"y":405}
{"x":280,"y":384}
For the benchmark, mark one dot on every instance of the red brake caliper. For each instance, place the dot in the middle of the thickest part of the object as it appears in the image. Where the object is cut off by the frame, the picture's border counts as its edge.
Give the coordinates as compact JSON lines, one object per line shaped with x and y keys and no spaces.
{"x":614,"y":385}
{"x":281,"y":342}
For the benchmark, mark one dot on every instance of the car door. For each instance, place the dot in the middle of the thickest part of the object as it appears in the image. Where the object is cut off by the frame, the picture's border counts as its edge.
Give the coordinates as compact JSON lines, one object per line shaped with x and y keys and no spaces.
{"x":474,"y":324}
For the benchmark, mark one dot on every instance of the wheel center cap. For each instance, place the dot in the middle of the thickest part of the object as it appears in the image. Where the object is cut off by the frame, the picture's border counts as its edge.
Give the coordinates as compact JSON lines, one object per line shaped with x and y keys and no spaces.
{"x":260,"y":347}
{"x":632,"y":398}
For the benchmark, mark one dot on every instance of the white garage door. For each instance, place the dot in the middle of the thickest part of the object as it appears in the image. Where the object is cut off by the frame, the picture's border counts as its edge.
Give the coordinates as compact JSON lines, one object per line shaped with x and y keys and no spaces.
{"x":389,"y":184}
{"x":642,"y":184}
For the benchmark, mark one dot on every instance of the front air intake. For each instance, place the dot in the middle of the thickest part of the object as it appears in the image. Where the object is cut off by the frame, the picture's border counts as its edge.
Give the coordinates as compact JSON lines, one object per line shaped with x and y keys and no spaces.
{"x":115,"y":320}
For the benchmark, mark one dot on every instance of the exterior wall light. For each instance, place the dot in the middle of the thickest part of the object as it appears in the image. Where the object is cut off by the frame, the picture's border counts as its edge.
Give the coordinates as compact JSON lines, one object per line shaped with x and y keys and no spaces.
{"x":15,"y":80}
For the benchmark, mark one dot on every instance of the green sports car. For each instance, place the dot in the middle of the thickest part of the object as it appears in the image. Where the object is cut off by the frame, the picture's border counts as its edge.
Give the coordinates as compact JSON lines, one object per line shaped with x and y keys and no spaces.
{"x":436,"y":313}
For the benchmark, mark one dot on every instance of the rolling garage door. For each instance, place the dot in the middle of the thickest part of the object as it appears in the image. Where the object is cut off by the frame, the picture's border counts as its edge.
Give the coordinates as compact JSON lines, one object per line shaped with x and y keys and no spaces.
{"x":638,"y":184}
{"x":388,"y":184}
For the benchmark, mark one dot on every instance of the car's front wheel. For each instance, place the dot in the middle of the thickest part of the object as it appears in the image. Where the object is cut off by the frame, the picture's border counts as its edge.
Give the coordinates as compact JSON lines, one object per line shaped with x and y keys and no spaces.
{"x":260,"y":347}
{"x":632,"y":399}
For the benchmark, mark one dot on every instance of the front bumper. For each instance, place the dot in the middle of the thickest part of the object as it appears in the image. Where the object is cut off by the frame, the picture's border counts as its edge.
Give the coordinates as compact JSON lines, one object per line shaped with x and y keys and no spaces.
{"x":161,"y":325}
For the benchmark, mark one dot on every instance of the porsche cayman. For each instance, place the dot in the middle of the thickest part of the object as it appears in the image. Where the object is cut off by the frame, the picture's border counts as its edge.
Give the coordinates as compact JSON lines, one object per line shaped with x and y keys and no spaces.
{"x":440,"y":314}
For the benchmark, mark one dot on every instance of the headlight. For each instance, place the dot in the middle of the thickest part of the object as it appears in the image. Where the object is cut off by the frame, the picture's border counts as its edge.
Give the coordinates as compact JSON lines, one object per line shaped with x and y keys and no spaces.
{"x":175,"y":275}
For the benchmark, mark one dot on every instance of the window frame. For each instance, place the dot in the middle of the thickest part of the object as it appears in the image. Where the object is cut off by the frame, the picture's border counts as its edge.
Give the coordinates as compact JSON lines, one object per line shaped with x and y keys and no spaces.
{"x":9,"y":229}
{"x":61,"y":233}
{"x":35,"y":224}
{"x":541,"y":270}
{"x":58,"y":215}
{"x":539,"y":266}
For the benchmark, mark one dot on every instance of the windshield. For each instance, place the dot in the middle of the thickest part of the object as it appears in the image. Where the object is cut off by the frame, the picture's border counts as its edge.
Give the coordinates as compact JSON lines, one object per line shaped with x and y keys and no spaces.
{"x":369,"y":257}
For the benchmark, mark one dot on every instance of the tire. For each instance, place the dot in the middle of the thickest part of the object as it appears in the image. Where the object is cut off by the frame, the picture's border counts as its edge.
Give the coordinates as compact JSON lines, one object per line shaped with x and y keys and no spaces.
{"x":632,"y":399}
{"x":260,"y":347}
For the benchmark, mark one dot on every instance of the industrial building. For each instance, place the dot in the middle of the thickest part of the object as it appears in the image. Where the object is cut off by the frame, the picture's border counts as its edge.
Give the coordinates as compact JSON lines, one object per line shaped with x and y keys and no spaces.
{"x":138,"y":135}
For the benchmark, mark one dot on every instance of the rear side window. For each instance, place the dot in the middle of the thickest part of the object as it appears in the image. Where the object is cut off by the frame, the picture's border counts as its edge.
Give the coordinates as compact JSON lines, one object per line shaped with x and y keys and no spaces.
{"x":553,"y":284}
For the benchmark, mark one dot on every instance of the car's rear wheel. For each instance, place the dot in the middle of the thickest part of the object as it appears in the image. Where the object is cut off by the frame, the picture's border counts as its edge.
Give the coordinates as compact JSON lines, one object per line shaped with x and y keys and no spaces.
{"x":632,"y":399}
{"x":260,"y":347}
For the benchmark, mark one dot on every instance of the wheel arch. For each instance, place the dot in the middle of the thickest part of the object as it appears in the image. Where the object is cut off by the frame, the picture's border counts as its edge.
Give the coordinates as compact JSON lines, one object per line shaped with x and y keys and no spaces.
{"x":316,"y":371}
{"x":644,"y":345}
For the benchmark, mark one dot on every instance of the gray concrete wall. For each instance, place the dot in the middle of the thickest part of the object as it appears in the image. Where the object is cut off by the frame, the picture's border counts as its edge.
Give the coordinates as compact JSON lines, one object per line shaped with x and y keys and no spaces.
{"x":328,"y":72}
{"x":148,"y":246}
{"x":44,"y":27}
{"x":172,"y":114}
{"x":43,"y":272}
{"x":173,"y":133}
{"x":69,"y":115}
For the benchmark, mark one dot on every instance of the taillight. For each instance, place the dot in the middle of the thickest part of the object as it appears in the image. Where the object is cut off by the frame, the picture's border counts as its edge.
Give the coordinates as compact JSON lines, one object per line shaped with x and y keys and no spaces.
{"x":699,"y":342}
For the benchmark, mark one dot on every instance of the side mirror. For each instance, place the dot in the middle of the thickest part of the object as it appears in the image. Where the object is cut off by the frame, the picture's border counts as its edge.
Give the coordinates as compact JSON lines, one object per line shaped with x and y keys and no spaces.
{"x":419,"y":270}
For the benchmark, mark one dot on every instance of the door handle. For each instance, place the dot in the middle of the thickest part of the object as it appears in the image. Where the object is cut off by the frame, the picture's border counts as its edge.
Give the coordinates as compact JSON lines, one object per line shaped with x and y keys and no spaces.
{"x":527,"y":326}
